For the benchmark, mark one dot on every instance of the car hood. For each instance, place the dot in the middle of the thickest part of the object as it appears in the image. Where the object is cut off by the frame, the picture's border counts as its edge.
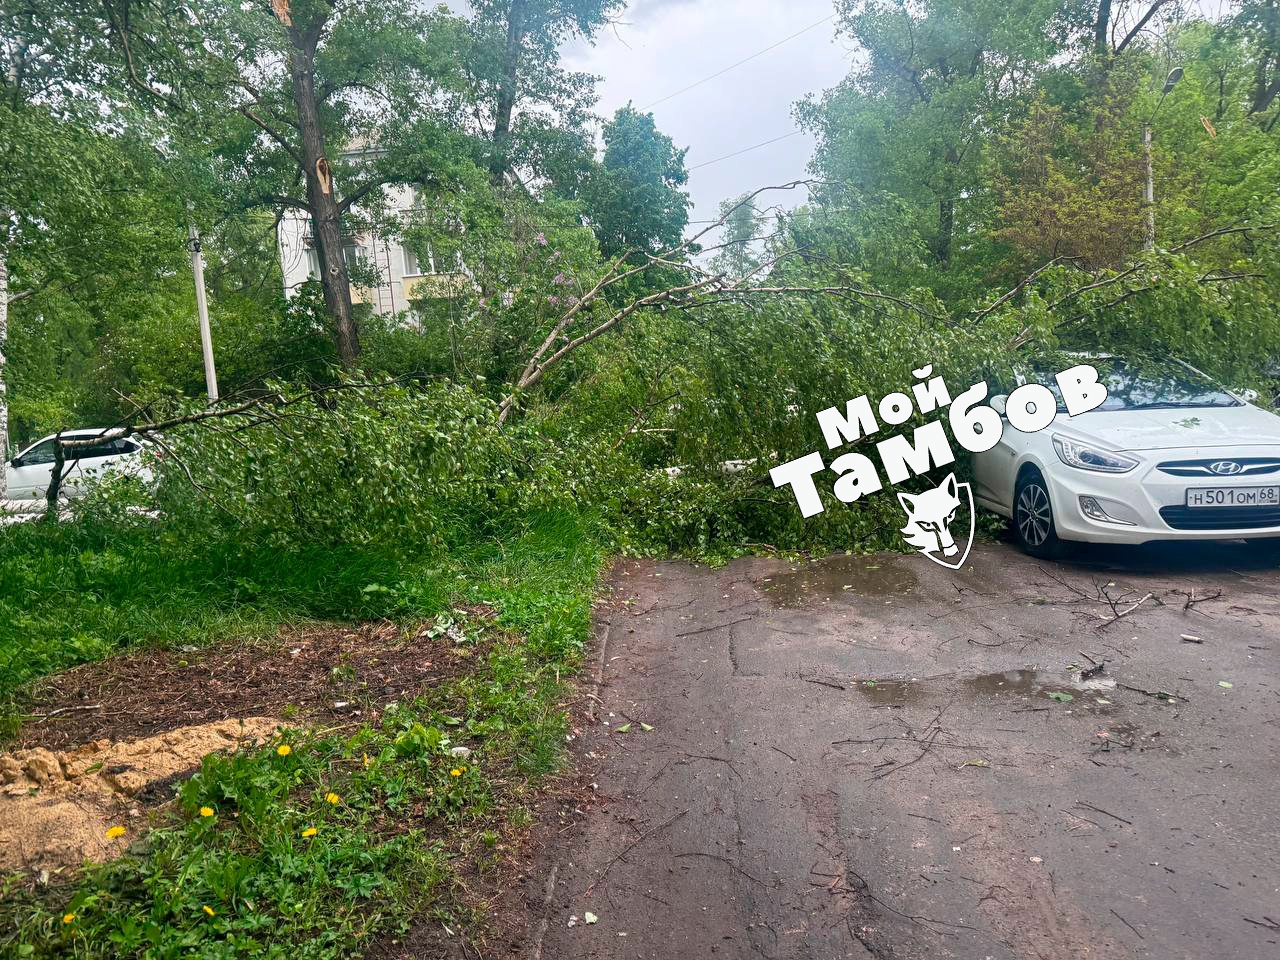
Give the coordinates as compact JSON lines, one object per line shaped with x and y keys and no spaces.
{"x":1181,"y":427}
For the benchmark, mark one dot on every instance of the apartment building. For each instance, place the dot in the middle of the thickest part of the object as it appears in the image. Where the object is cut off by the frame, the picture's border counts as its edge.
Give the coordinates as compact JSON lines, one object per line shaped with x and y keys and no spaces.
{"x":403,"y":279}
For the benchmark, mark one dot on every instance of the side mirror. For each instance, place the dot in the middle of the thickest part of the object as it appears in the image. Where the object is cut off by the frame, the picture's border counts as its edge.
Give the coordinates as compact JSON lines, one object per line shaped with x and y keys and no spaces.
{"x":998,"y":403}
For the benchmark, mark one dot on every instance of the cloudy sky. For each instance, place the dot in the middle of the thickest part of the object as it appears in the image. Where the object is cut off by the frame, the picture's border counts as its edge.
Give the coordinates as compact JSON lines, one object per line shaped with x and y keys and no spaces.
{"x":663,"y":46}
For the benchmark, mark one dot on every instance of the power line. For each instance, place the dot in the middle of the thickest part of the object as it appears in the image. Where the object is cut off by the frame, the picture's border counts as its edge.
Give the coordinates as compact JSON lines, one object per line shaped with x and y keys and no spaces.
{"x":754,"y":146}
{"x":732,"y":66}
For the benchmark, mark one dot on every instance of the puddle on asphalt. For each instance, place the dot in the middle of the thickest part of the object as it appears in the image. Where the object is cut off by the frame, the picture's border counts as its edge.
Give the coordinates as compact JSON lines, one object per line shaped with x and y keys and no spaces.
{"x":1023,"y":683}
{"x":884,"y":693}
{"x":839,"y":575}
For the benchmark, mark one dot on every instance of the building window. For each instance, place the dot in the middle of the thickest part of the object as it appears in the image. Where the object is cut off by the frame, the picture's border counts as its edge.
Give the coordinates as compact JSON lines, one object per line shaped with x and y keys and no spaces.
{"x":411,"y":266}
{"x":354,"y":253}
{"x":313,"y":263}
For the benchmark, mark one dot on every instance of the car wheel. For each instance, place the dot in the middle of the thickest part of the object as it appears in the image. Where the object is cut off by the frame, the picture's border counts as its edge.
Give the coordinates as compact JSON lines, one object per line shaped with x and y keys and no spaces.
{"x":1033,"y":525}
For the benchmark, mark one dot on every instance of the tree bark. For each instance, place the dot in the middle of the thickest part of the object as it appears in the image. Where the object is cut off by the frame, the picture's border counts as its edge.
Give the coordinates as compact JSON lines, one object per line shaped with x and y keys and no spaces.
{"x":56,"y":477}
{"x":947,"y":207}
{"x":326,"y":217}
{"x":1101,"y":44}
{"x":507,"y":89}
{"x":4,"y":336}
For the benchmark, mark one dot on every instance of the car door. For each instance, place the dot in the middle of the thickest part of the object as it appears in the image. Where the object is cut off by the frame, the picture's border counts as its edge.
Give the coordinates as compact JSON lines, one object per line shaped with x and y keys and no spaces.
{"x":93,"y":461}
{"x":28,"y":475}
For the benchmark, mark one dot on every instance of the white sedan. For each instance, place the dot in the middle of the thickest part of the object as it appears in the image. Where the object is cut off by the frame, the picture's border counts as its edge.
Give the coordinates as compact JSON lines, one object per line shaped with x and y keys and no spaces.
{"x":1170,"y":455}
{"x":27,"y":476}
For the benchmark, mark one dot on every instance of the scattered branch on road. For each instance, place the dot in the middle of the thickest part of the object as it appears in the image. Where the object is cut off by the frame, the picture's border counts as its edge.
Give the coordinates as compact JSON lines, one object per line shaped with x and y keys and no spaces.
{"x":724,"y":860}
{"x":1107,"y":813}
{"x":1192,"y":599}
{"x":1128,"y":924}
{"x":824,"y":683}
{"x":718,"y":626}
{"x":1158,"y":694}
{"x":632,"y":845}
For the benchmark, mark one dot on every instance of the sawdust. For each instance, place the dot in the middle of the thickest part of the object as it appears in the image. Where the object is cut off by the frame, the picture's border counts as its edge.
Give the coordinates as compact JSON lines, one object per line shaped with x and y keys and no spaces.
{"x":56,"y":806}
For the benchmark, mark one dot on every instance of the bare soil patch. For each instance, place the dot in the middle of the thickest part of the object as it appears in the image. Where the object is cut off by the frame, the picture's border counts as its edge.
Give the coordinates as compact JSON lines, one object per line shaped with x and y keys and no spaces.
{"x":314,"y":675}
{"x":56,"y":806}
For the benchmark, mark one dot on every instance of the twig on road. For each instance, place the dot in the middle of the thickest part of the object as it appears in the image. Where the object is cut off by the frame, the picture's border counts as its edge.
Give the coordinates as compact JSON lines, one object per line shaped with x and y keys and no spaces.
{"x":632,"y":845}
{"x":1128,"y":924}
{"x":724,"y":860}
{"x":718,"y":626}
{"x":1108,"y":813}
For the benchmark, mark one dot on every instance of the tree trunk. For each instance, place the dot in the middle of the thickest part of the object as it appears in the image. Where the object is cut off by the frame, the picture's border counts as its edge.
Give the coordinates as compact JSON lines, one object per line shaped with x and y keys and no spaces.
{"x":947,"y":207}
{"x":326,"y":217}
{"x":4,"y":395}
{"x":54,"y":490}
{"x":1101,"y":44}
{"x":500,"y":160}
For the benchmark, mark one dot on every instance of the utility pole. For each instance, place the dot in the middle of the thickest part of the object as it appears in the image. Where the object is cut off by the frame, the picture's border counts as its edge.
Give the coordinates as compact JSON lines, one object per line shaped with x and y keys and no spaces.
{"x":1149,"y":194}
{"x":202,"y":309}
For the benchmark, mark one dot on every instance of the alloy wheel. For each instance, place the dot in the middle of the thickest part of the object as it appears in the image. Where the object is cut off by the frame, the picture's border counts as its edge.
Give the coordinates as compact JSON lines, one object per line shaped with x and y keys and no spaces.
{"x":1034,"y":517}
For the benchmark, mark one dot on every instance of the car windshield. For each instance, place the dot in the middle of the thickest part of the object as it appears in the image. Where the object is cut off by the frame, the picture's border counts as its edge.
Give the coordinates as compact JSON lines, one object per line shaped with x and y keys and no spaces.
{"x":1148,"y":385}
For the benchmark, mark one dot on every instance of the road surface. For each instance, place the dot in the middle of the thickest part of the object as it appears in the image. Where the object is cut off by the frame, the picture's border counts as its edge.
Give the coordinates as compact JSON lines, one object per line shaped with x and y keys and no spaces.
{"x":879,"y":757}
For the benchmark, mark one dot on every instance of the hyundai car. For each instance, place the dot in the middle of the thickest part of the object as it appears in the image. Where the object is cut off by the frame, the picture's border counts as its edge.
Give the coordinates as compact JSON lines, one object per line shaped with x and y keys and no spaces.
{"x":1169,"y":455}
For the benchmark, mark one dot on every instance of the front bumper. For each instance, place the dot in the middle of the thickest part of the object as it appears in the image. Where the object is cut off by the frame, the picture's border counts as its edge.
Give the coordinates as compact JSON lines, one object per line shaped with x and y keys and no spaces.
{"x":1152,"y":504}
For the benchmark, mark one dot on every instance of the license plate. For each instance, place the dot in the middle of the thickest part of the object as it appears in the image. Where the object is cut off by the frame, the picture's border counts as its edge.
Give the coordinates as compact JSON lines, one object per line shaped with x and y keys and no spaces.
{"x":1233,"y":496}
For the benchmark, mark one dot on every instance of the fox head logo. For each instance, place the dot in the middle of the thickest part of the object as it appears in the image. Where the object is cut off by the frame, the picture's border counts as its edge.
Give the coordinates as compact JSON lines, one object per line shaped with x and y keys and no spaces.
{"x":929,"y":518}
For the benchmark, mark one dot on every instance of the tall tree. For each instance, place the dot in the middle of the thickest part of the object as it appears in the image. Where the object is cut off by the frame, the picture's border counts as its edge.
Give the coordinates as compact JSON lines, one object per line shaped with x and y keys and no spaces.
{"x":937,"y":80}
{"x":333,"y":96}
{"x":516,"y":61}
{"x":634,"y":198}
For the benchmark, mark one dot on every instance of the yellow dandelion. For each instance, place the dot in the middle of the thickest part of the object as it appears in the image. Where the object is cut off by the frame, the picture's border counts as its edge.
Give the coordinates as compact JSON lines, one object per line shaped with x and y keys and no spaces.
{"x":113,"y":832}
{"x":206,"y":811}
{"x":68,"y":917}
{"x":309,"y":832}
{"x":455,"y":772}
{"x":366,"y":761}
{"x":284,"y":750}
{"x":209,"y":911}
{"x":332,"y":798}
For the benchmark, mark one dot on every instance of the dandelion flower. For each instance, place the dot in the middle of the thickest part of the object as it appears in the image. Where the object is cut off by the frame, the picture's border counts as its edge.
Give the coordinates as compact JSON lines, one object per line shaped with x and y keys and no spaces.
{"x":209,"y":911}
{"x":113,"y":832}
{"x":308,"y":833}
{"x":366,"y":761}
{"x":206,"y":811}
{"x":284,"y":750}
{"x":68,"y":917}
{"x":332,"y":798}
{"x":455,"y":772}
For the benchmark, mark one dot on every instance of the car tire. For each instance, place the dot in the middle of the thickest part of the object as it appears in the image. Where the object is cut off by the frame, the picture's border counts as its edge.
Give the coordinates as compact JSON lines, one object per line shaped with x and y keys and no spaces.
{"x":1032,"y":521}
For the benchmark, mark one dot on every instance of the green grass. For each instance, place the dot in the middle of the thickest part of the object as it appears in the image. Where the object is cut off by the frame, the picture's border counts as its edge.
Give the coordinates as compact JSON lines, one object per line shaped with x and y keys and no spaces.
{"x":74,"y":593}
{"x":389,"y":850}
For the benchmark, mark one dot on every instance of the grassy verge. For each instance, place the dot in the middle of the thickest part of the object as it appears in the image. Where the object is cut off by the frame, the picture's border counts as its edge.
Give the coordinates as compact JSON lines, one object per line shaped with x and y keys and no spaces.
{"x":315,"y":843}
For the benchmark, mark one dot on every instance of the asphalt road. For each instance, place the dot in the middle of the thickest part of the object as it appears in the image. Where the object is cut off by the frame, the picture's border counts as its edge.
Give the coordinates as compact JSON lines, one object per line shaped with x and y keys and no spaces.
{"x":876,"y":756}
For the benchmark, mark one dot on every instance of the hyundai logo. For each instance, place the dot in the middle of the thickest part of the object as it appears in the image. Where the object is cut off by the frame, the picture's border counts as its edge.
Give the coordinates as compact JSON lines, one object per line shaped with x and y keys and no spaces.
{"x":1226,"y":468}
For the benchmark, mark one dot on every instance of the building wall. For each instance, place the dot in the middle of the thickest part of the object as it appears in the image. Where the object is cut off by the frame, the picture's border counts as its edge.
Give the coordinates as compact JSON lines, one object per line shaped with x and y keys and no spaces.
{"x":401,"y":277}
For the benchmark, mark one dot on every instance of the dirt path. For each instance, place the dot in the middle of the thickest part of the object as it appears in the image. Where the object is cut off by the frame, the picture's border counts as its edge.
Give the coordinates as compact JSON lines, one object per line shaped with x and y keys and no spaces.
{"x":865,"y":757}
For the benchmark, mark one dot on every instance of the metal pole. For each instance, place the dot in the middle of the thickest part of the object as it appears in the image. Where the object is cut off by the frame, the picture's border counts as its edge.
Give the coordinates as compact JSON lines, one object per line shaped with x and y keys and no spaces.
{"x":1150,"y":193}
{"x":202,"y":309}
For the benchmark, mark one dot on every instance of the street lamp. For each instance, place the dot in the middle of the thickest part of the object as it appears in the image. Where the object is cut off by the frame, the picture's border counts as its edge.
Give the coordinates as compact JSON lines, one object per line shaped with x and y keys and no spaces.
{"x":1170,"y":82}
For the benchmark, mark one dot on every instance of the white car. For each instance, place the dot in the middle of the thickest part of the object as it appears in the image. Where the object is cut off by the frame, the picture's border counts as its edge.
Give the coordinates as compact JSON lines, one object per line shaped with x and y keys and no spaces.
{"x":1170,"y":455}
{"x":28,"y":474}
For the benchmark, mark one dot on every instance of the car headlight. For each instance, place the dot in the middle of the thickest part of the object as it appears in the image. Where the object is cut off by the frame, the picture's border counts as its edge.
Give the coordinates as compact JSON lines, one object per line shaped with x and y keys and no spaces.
{"x":1084,"y":457}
